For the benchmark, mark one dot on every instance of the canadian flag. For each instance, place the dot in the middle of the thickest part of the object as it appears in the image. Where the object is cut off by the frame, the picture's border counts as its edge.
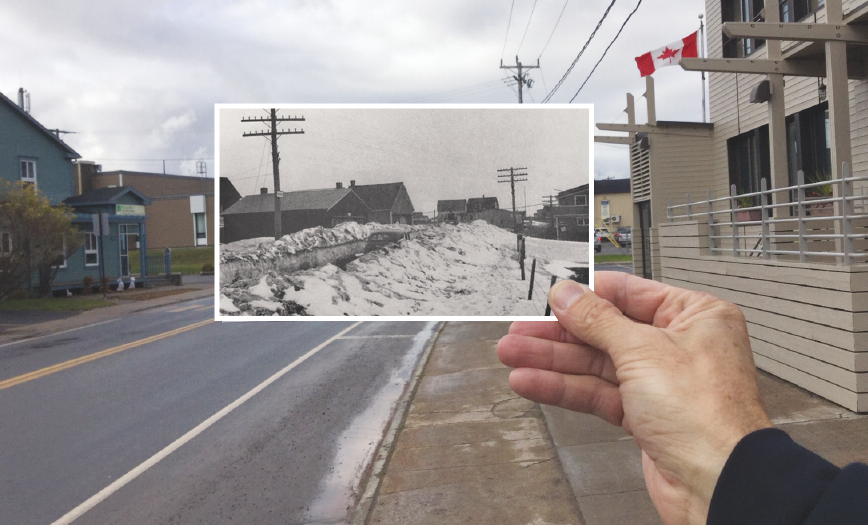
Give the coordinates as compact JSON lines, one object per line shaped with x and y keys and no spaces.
{"x":667,"y":55}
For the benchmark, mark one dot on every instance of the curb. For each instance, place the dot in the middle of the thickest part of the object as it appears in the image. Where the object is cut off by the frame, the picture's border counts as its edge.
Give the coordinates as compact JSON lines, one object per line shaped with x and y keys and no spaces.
{"x":27,"y":332}
{"x":384,"y":452}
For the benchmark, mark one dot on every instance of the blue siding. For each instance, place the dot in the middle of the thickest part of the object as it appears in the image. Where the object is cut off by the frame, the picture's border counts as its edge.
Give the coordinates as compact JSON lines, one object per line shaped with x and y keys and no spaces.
{"x":21,"y":138}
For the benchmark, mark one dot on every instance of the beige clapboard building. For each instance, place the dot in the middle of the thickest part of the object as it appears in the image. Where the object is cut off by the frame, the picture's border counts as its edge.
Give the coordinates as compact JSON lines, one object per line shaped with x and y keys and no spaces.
{"x":765,"y":206}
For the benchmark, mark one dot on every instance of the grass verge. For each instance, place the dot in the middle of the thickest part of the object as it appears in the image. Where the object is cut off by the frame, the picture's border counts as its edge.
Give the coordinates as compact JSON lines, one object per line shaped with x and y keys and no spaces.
{"x":612,"y":258}
{"x":187,"y":261}
{"x":55,"y":304}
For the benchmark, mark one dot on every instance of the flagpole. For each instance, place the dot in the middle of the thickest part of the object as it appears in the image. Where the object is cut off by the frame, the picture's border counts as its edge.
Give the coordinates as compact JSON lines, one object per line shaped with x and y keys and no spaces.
{"x":702,"y":55}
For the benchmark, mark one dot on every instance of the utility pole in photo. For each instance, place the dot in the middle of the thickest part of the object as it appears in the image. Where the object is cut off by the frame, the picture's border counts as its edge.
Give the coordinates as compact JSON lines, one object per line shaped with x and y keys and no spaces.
{"x":521,"y":78}
{"x":273,"y":133}
{"x":512,"y":180}
{"x":551,"y":204}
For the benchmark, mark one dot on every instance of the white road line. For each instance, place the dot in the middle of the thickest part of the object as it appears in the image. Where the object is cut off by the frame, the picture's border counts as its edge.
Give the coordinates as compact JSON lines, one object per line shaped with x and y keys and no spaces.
{"x":378,"y":337}
{"x":57,"y":333}
{"x":94,"y":500}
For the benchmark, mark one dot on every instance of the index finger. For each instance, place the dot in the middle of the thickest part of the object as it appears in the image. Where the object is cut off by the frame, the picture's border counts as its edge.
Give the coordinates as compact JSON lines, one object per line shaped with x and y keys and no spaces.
{"x":551,"y":330}
{"x":639,"y":299}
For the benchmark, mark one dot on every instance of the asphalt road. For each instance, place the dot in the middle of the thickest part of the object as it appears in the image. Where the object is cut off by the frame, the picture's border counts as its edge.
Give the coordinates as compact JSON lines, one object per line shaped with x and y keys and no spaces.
{"x":290,"y":452}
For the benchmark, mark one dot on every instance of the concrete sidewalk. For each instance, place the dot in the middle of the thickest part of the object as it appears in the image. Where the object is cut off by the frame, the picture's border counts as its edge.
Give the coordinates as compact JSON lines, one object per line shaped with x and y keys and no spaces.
{"x":126,"y":303}
{"x":468,"y":450}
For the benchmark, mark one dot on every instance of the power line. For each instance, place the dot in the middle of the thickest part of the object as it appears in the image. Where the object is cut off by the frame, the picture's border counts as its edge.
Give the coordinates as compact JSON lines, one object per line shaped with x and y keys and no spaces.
{"x":553,"y":30}
{"x":526,"y":28}
{"x":607,"y":50}
{"x":502,"y":51}
{"x":543,"y":78}
{"x":561,"y":81}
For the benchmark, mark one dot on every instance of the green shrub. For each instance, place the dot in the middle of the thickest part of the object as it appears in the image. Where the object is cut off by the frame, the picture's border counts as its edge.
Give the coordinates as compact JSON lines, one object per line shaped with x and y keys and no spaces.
{"x":207,"y":268}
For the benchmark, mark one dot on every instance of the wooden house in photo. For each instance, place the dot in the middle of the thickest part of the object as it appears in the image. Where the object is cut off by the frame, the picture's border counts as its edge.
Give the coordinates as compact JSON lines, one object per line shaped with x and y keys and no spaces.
{"x":253,"y":216}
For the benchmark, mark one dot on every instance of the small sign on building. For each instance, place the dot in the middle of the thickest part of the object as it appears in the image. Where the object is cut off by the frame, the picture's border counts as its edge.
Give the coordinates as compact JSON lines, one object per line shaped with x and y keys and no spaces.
{"x":129,"y":209}
{"x":197,"y":204}
{"x":604,"y":209}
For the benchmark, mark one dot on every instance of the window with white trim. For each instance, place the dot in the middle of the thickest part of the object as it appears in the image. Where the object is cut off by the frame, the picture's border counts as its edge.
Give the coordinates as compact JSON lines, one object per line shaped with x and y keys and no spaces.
{"x":201,"y":229}
{"x":91,"y":250}
{"x":28,"y":170}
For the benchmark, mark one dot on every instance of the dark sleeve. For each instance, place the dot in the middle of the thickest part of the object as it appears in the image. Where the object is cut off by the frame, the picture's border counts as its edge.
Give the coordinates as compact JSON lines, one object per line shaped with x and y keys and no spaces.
{"x":771,"y":480}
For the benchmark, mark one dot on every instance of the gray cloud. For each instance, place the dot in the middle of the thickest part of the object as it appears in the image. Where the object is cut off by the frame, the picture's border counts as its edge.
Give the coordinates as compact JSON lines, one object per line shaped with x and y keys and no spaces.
{"x":138,"y":80}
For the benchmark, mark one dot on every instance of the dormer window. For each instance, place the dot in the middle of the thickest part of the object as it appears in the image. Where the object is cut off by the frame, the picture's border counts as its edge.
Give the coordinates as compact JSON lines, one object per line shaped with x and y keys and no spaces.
{"x":28,"y":171}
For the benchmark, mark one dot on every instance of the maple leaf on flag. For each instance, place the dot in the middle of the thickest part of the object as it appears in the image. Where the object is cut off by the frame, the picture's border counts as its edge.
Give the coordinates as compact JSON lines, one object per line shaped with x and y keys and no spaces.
{"x":668,"y":53}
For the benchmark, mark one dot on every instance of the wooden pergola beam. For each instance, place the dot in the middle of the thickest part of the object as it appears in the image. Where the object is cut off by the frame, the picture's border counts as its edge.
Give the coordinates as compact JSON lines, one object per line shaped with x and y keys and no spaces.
{"x":794,"y":68}
{"x":630,"y":128}
{"x":797,"y":31}
{"x":626,"y":141}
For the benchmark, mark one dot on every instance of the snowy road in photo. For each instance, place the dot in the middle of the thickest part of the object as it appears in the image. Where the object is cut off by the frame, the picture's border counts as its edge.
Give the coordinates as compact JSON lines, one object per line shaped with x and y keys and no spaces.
{"x":467,"y":269}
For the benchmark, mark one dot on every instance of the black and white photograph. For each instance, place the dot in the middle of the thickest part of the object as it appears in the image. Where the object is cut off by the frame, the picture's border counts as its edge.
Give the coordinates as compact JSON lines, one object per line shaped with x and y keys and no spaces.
{"x":396,"y":211}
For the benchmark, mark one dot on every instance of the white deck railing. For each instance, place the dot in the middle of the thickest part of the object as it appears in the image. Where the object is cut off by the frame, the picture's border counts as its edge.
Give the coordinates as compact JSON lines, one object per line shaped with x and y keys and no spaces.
{"x":793,"y":226}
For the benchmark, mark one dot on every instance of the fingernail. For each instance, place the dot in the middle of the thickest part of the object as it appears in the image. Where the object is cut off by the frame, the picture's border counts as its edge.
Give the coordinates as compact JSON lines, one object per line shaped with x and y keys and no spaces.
{"x":566,"y":293}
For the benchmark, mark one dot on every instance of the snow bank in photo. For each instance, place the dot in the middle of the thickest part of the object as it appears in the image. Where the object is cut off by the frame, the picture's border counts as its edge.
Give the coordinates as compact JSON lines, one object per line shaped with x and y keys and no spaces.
{"x":444,"y":270}
{"x":266,"y":248}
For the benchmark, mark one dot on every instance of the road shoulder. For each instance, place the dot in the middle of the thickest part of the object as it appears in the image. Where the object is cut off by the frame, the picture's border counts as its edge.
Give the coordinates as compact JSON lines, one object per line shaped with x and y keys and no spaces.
{"x":13,"y":332}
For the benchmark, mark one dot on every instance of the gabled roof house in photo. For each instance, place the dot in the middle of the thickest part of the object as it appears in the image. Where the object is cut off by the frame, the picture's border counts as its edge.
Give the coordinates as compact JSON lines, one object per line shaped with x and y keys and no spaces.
{"x":253,"y":216}
{"x":389,"y":203}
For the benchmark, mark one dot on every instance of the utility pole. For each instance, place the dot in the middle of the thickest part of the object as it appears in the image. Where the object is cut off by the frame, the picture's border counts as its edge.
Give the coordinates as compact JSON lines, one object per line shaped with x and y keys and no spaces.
{"x":275,"y":158}
{"x":521,"y":78}
{"x":512,"y":180}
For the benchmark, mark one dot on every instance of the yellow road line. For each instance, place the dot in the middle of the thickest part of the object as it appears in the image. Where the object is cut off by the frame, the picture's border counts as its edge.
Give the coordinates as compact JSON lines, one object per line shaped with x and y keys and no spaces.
{"x":92,"y":357}
{"x":184,"y":309}
{"x":206,"y":307}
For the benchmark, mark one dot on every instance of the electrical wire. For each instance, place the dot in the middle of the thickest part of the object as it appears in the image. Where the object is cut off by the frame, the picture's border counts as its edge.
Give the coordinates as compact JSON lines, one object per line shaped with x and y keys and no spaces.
{"x":553,"y":32}
{"x":543,"y":78}
{"x":607,"y":50}
{"x":526,"y":28}
{"x":261,"y":164}
{"x":561,"y":81}
{"x":507,"y":31}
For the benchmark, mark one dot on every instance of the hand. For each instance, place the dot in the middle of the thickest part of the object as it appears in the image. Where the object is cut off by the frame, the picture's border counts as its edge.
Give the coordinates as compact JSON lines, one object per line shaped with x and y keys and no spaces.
{"x":673,"y":367}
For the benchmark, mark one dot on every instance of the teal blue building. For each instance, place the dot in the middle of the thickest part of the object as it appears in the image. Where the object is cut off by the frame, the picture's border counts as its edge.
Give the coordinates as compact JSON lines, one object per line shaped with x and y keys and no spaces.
{"x":33,"y":154}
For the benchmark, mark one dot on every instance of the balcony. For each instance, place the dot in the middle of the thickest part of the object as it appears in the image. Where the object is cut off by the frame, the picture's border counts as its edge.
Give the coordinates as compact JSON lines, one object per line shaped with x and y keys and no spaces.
{"x":798,"y":268}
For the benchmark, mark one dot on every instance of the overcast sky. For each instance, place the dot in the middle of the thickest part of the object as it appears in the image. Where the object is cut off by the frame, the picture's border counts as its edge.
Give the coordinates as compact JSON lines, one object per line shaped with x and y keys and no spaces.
{"x":438,"y":153}
{"x":138,"y":80}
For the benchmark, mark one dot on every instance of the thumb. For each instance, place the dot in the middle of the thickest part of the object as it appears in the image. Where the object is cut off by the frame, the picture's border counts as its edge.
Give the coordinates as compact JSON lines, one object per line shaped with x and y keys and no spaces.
{"x":593,"y":319}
